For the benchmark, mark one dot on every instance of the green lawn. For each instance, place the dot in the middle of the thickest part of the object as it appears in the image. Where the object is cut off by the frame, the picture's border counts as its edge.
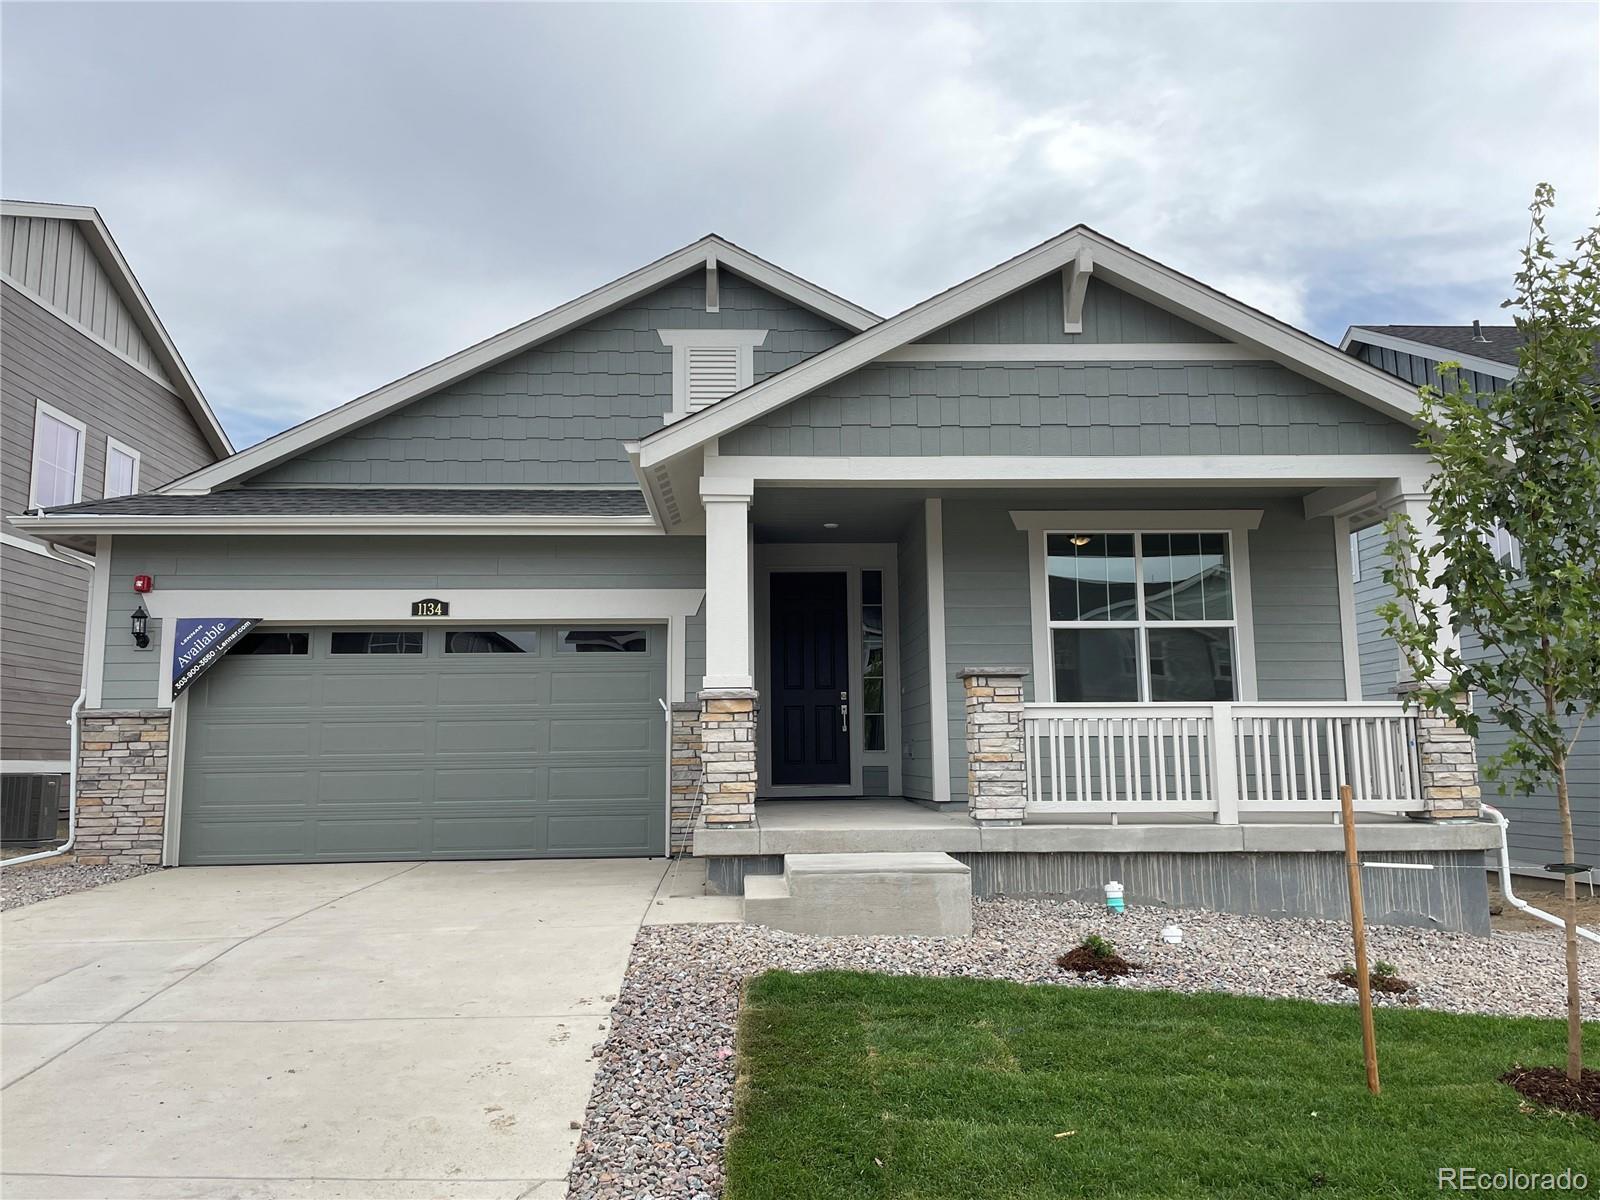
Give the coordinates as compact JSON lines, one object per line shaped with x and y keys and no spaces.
{"x":855,"y":1085}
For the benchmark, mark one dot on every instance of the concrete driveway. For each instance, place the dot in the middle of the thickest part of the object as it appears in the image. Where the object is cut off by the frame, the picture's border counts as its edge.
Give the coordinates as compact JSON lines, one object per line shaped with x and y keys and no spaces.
{"x":369,"y":1031}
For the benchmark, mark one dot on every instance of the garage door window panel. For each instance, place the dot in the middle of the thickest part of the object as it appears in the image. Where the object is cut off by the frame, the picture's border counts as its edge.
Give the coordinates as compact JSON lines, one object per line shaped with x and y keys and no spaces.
{"x":273,"y":641}
{"x":604,"y":641}
{"x":491,"y":641}
{"x":384,"y":641}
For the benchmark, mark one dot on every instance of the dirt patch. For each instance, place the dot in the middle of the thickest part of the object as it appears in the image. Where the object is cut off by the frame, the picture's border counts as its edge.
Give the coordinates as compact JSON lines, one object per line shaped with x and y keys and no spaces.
{"x":1545,"y":894}
{"x":1380,"y":983}
{"x":1550,"y":1087}
{"x":1086,"y":961}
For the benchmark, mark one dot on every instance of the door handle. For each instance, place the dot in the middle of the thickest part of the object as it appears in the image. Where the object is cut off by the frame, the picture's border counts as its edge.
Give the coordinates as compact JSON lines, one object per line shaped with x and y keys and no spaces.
{"x":844,"y":712}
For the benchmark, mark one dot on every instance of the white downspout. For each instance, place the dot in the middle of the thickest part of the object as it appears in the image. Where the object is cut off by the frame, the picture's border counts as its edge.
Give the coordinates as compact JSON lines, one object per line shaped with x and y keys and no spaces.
{"x":1505,"y":881}
{"x":72,"y":784}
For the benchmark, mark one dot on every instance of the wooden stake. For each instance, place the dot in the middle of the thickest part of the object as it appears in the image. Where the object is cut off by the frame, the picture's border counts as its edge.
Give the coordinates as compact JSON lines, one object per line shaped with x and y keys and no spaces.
{"x":1358,"y":925}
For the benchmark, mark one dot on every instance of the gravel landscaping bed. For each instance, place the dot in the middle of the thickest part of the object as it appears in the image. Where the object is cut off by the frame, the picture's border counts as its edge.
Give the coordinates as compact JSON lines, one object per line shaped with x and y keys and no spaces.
{"x":33,"y":882}
{"x":663,"y":1094}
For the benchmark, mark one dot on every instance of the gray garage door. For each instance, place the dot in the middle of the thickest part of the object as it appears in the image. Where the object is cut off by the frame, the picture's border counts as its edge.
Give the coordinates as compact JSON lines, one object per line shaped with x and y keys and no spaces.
{"x":307,"y":745}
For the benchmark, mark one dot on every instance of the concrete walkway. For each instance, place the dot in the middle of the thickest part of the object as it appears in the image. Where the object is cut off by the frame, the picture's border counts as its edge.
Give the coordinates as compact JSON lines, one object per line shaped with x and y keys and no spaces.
{"x":363,"y":1031}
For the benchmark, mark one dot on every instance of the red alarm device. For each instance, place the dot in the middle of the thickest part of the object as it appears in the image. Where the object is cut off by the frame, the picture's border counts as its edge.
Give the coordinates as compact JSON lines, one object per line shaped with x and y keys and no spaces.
{"x":142,"y":583}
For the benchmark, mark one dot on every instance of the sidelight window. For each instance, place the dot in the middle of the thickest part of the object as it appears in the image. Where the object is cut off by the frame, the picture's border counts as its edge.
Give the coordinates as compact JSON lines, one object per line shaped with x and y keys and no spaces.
{"x":872,"y":703}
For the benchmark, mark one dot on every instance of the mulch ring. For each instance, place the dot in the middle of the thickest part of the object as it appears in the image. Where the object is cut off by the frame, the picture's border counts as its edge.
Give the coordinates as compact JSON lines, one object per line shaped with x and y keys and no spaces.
{"x":1550,"y":1087}
{"x":1086,"y":961}
{"x":1380,"y":983}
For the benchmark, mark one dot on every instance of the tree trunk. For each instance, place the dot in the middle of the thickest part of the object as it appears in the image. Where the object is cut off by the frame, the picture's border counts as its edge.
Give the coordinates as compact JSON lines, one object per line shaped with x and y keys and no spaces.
{"x":1569,"y":890}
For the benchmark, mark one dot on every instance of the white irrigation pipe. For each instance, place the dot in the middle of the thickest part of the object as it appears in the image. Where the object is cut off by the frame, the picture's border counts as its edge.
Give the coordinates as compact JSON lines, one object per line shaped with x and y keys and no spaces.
{"x":1505,"y":881}
{"x":72,"y":786}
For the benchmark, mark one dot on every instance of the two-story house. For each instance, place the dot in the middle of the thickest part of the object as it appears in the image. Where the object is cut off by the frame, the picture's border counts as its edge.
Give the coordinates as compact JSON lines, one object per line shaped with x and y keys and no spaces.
{"x":1049,"y":572}
{"x":1488,"y":358}
{"x":95,"y":403}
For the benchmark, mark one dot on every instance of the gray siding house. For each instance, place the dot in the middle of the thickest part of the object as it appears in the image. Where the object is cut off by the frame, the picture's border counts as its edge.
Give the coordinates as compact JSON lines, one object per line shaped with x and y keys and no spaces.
{"x":1487,"y":357}
{"x":1050,"y":571}
{"x":95,"y":403}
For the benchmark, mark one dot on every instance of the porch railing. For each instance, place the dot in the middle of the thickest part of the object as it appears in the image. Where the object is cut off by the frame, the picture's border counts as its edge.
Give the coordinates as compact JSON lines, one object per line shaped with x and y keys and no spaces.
{"x":1223,"y":759}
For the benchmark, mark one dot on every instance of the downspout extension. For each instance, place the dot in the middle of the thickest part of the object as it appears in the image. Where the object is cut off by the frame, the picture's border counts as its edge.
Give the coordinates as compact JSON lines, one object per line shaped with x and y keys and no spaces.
{"x":1505,"y":881}
{"x":72,"y":799}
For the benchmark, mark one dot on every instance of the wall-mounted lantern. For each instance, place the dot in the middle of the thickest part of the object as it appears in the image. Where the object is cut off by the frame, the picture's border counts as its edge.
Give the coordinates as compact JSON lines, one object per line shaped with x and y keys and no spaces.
{"x":141,"y":626}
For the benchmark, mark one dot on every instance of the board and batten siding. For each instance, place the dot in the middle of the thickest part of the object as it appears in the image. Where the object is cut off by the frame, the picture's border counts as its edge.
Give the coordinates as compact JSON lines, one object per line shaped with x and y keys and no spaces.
{"x":52,"y":259}
{"x":1071,"y":409}
{"x":989,"y":620}
{"x":1033,"y":315}
{"x":560,"y":412}
{"x":1414,"y":368}
{"x":43,"y":600}
{"x":431,"y":566}
{"x":916,"y":735}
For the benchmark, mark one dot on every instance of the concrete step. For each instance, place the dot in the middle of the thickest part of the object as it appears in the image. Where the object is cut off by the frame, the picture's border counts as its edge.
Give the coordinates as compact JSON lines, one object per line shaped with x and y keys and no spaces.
{"x":925,"y":895}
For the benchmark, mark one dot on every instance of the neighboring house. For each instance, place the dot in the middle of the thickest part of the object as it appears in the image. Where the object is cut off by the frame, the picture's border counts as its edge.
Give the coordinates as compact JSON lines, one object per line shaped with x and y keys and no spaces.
{"x":1487,"y":356}
{"x":1062,"y":549}
{"x":95,"y":402}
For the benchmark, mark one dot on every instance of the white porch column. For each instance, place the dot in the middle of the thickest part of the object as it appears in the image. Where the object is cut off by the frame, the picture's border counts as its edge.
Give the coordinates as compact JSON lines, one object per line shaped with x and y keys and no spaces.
{"x":728,"y":697}
{"x":728,"y":595}
{"x":1447,"y":757}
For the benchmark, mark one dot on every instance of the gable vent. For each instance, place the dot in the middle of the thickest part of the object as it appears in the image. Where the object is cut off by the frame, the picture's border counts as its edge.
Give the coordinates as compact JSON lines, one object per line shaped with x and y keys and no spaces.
{"x":713,"y":374}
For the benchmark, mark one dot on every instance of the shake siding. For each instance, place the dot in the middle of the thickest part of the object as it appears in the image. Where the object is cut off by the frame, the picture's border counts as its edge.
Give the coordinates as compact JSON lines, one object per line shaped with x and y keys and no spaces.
{"x":250,"y":564}
{"x":52,"y":259}
{"x":916,"y":771}
{"x":1034,"y":315}
{"x":559,"y":413}
{"x":1076,"y":409}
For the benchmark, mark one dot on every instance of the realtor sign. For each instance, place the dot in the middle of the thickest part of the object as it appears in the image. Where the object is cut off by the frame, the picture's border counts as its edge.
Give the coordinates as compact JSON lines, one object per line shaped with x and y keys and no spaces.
{"x":199,"y":642}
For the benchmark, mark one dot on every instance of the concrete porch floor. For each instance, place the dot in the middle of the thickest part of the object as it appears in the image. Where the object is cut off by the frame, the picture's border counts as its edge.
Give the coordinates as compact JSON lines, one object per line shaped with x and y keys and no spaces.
{"x":889,"y":824}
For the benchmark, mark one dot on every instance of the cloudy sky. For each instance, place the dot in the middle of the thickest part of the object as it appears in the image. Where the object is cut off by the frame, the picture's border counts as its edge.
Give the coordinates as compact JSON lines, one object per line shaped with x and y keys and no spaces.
{"x":322,"y":197}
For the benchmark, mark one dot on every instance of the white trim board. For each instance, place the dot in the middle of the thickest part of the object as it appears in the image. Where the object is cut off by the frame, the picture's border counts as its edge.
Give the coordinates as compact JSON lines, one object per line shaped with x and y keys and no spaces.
{"x":1091,"y":352}
{"x":938,"y":675}
{"x":1123,"y":268}
{"x":403,"y":391}
{"x":128,"y":288}
{"x":27,"y":766}
{"x":1387,"y":341}
{"x":1349,"y":636}
{"x":640,"y":525}
{"x":60,"y":554}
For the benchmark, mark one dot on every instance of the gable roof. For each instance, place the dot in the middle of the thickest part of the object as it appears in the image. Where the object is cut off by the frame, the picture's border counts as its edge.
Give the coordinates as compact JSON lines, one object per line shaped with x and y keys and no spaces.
{"x":519,"y":338}
{"x":1110,"y":260}
{"x":1498,"y":354}
{"x":89,"y":223}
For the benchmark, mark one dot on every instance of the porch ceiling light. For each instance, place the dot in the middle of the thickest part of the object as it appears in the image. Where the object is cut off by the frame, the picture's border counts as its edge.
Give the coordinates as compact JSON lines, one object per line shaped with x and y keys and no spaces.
{"x":830,"y":524}
{"x":1079,"y":539}
{"x":141,"y":625}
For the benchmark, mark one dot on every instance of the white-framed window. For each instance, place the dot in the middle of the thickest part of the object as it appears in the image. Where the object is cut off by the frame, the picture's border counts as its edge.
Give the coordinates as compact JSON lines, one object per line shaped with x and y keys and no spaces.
{"x":1125,"y":614}
{"x":709,"y":365}
{"x":58,"y":445}
{"x":1507,"y":549}
{"x":122,"y":469}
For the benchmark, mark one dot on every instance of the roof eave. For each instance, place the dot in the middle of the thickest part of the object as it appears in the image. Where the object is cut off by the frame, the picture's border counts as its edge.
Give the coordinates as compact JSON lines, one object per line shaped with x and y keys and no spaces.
{"x":49,"y":526}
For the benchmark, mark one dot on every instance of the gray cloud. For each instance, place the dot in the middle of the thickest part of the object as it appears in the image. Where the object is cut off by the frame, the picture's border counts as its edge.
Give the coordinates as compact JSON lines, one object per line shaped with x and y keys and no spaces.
{"x":320,"y":198}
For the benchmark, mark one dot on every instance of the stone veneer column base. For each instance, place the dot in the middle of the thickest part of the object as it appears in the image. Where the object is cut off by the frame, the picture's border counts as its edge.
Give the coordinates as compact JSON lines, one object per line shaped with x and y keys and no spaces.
{"x":728,"y":755}
{"x":122,"y":785}
{"x":1451,"y":786}
{"x":685,"y":783}
{"x":996,"y":763}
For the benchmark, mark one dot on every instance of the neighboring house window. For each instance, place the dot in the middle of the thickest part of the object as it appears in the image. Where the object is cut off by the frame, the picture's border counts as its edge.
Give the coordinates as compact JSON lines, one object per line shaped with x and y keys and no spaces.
{"x":872,"y":713}
{"x":58,"y":442}
{"x":709,"y":365}
{"x":1136,"y":617}
{"x":122,"y":469}
{"x":1507,"y":549}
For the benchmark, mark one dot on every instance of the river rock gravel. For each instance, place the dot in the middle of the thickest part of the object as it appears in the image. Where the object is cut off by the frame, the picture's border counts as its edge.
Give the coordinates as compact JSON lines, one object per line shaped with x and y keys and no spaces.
{"x":663,"y":1095}
{"x":45,"y":880}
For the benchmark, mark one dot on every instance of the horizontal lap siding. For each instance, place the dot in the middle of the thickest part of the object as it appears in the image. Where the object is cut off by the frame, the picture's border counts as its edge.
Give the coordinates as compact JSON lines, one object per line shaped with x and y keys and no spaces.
{"x":1380,"y":657}
{"x":1295,"y":594}
{"x":249,"y":564}
{"x":559,"y":413}
{"x":1034,"y":315}
{"x":916,"y":777}
{"x":1075,"y":409}
{"x":42,"y":604}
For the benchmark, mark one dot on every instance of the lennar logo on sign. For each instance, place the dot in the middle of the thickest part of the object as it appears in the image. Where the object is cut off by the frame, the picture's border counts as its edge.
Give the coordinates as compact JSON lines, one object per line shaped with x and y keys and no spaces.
{"x":199,"y":642}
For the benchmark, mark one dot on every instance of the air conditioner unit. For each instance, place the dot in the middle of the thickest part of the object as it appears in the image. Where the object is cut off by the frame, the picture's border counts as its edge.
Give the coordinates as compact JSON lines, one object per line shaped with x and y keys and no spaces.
{"x":28,"y":808}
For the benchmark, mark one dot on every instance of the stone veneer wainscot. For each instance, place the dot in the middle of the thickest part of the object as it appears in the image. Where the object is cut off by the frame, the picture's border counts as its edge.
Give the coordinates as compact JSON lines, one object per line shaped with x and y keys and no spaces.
{"x":122,"y":786}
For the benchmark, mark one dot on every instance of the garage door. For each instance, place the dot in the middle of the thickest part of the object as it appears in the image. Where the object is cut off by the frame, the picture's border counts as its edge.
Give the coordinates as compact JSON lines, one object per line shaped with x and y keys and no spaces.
{"x":308,"y":745}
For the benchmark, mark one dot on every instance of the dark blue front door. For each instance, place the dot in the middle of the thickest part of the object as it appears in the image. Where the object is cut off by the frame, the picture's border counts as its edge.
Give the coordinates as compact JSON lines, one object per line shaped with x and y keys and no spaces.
{"x":810,"y":680}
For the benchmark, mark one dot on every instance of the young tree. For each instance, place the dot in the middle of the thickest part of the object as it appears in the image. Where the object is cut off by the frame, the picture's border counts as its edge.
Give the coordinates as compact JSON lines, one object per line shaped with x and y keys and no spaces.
{"x":1525,"y":460}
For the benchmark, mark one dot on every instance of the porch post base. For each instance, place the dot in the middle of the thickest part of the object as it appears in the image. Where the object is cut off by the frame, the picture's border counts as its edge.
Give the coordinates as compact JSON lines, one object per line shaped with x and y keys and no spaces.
{"x":728,"y":756}
{"x":684,"y":783}
{"x":1448,"y":758}
{"x":996,"y":758}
